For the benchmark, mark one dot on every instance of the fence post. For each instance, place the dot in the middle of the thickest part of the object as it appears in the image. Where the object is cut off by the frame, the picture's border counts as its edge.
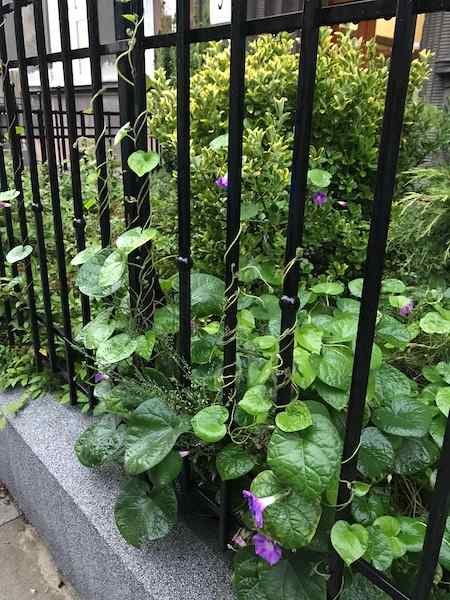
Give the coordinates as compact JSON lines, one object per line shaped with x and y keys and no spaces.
{"x":14,"y":142}
{"x":397,"y":89}
{"x":55,"y":197}
{"x":35,"y":188}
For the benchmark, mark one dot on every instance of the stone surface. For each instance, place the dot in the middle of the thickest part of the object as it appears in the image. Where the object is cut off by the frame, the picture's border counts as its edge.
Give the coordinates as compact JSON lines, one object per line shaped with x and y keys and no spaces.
{"x":8,"y":512}
{"x":72,"y":508}
{"x":27,"y":571}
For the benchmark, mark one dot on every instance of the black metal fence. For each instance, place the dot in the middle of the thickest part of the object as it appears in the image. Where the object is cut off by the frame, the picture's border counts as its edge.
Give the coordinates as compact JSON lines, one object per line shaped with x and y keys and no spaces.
{"x":132,"y":107}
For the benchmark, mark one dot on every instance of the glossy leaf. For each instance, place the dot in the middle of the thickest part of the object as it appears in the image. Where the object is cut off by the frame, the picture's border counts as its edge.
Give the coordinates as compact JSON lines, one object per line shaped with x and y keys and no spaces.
{"x":152,"y":431}
{"x":143,"y":514}
{"x":142,"y":162}
{"x":209,"y":424}
{"x":100,"y":443}
{"x":307,"y":460}
{"x":295,"y":417}
{"x":256,"y":400}
{"x":349,"y":541}
{"x":116,"y":348}
{"x":292,"y":520}
{"x":234,"y":461}
{"x":18,"y":253}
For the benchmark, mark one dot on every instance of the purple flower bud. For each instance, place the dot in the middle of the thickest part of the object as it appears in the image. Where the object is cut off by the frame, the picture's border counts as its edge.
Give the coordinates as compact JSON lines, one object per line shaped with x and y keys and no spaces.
{"x":222,"y":182}
{"x":320,"y":198}
{"x":5,"y":205}
{"x":267,"y":549}
{"x":99,"y":377}
{"x":406,"y":309}
{"x":342,"y":203}
{"x":183,"y":453}
{"x":238,"y":540}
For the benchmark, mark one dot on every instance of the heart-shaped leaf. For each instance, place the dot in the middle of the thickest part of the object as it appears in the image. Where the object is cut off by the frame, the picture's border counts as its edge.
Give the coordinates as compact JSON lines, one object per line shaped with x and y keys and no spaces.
{"x":88,"y":276}
{"x":85,"y":255}
{"x":332,"y":288}
{"x":134,"y":238}
{"x":209,"y":423}
{"x":142,"y":162}
{"x":18,"y":253}
{"x":256,"y":401}
{"x":295,"y":418}
{"x":152,"y":431}
{"x":349,"y":541}
{"x":307,"y":460}
{"x":143,"y":514}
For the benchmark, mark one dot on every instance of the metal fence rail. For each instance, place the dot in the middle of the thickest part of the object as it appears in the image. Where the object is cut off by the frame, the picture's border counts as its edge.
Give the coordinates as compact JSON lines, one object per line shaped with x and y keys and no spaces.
{"x":132,"y":101}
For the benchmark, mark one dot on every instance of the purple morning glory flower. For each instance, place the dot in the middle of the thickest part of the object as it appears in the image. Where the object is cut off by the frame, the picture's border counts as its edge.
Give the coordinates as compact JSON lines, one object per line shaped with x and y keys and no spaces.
{"x":99,"y":377}
{"x":406,"y":309}
{"x":5,"y":205}
{"x":222,"y":182}
{"x":320,"y":198}
{"x":258,"y":505}
{"x":266,"y":549}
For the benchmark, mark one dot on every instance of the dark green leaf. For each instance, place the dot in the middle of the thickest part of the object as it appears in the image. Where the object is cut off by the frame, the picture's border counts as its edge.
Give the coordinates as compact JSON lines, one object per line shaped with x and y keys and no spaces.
{"x":233,"y":462}
{"x":376,"y":454}
{"x":100,"y":443}
{"x":144,"y":514}
{"x":307,"y":460}
{"x":152,"y":431}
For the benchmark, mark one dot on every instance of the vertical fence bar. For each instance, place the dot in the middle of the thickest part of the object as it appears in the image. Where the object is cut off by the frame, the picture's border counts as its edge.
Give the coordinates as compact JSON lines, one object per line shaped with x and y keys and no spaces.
{"x":236,"y":131}
{"x":54,"y":190}
{"x":99,"y":121}
{"x":184,"y":180}
{"x":133,"y":109}
{"x":298,"y":193}
{"x":16,"y":155}
{"x":35,"y":188}
{"x":79,"y":221}
{"x":7,"y":303}
{"x":397,"y":89}
{"x":62,"y":128}
{"x":150,"y":291}
{"x":55,"y":125}
{"x":42,"y":143}
{"x":436,"y":523}
{"x":10,"y":236}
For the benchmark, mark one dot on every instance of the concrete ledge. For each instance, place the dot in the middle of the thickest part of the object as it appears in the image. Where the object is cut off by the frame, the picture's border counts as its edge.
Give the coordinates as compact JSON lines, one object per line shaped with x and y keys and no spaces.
{"x":72,"y":508}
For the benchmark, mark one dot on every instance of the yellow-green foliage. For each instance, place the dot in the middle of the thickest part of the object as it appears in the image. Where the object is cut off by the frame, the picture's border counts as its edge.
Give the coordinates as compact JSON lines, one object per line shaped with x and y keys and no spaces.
{"x":349,"y":104}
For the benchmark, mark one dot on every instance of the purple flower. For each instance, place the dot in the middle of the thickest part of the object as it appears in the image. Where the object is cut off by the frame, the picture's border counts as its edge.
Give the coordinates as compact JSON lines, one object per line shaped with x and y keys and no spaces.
{"x":266,"y":549}
{"x":258,"y":505}
{"x":99,"y":377}
{"x":320,"y":198}
{"x":222,"y":182}
{"x":406,"y":309}
{"x":5,"y":205}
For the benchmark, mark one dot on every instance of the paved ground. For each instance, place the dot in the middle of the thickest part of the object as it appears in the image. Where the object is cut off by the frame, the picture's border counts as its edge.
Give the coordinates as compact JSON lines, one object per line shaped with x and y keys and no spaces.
{"x":27,"y":571}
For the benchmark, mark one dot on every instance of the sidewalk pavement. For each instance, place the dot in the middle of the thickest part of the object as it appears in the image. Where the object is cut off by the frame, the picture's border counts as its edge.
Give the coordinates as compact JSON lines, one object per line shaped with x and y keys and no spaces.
{"x":27,"y":571}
